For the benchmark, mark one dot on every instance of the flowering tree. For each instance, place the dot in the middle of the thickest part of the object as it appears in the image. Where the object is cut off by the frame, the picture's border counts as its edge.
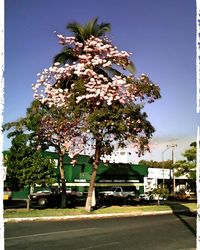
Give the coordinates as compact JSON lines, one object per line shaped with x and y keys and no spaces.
{"x":106,"y":101}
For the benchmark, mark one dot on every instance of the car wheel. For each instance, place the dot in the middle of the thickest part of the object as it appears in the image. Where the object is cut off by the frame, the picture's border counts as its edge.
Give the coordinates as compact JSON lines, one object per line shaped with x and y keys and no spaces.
{"x":68,"y":202}
{"x":129,"y":198}
{"x":42,"y":202}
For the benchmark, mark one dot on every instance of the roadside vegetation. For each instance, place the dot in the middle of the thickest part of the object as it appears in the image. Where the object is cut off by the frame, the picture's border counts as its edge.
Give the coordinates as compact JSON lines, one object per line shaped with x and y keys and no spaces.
{"x":23,"y":213}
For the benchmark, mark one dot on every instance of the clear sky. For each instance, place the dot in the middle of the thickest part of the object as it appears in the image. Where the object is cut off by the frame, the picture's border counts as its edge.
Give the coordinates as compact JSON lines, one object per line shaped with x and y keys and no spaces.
{"x":160,"y":34}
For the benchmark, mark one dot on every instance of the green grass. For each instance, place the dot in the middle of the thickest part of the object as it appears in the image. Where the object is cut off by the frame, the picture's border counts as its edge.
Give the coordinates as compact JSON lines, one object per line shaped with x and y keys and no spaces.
{"x":22,"y":213}
{"x":132,"y":209}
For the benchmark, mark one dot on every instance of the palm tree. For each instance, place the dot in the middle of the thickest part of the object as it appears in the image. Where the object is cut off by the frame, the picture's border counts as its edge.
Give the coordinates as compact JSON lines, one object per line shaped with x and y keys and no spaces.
{"x":92,"y":28}
{"x":82,"y":33}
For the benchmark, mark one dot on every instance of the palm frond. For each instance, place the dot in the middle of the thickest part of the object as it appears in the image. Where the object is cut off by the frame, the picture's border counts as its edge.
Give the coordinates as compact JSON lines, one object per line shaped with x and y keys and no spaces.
{"x":65,"y":56}
{"x":112,"y":71}
{"x":107,"y":72}
{"x":131,"y":68}
{"x":103,"y":28}
{"x":77,"y":30}
{"x":90,"y":28}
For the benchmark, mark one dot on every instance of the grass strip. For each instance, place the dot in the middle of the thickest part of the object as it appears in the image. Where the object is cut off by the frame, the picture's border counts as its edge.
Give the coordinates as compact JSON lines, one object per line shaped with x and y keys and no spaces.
{"x":23,"y":213}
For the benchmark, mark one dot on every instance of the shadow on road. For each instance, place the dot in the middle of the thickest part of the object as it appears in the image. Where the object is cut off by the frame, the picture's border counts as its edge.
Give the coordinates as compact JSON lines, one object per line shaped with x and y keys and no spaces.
{"x":179,"y":210}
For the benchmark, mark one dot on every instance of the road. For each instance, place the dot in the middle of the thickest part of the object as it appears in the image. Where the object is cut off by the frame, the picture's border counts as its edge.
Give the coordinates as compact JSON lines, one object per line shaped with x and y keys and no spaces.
{"x":168,"y":232}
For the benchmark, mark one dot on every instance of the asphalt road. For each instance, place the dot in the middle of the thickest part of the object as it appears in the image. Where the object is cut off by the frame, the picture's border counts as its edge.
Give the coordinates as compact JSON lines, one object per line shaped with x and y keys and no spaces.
{"x":173,"y":232}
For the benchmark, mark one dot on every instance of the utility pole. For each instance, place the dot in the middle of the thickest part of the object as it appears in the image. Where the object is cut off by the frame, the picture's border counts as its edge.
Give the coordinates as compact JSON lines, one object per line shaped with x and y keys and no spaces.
{"x":163,"y":182}
{"x":172,"y":146}
{"x":173,"y":161}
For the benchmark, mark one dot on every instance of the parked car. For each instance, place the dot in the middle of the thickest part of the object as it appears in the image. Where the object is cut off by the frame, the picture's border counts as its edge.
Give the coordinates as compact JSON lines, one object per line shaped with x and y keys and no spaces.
{"x":181,"y":195}
{"x":52,"y":197}
{"x":117,"y":192}
{"x":155,"y":197}
{"x":144,"y":197}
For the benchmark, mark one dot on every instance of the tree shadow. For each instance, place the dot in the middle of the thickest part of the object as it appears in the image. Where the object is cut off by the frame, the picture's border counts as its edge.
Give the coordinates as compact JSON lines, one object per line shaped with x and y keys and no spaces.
{"x":179,"y":210}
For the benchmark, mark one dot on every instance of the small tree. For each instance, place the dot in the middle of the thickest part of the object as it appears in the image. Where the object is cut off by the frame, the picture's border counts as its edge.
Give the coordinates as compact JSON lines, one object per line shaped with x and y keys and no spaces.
{"x":25,"y":166}
{"x":187,"y":167}
{"x":160,"y":192}
{"x":106,"y":100}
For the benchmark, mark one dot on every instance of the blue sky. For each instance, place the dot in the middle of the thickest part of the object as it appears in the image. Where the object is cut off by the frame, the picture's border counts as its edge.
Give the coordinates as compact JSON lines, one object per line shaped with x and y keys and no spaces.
{"x":160,"y":34}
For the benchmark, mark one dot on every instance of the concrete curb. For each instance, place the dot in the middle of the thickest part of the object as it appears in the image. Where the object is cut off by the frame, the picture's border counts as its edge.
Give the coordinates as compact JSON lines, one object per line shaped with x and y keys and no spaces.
{"x":92,"y":216}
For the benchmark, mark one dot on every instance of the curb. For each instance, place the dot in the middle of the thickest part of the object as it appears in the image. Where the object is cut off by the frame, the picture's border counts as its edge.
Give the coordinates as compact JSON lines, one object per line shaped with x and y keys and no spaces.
{"x":92,"y":216}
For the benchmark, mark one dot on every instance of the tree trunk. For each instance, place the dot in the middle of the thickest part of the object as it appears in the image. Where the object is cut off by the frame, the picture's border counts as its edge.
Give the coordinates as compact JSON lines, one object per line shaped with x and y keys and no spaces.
{"x":158,"y":200}
{"x":174,"y":182}
{"x":95,"y":165}
{"x":28,"y":201}
{"x":62,"y":177}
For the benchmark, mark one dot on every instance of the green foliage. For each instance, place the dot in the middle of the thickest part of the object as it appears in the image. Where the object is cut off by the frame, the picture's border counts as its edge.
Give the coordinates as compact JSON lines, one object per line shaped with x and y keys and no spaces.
{"x":190,"y":154}
{"x":187,"y":167}
{"x":25,"y":164}
{"x":157,"y":164}
{"x":67,"y":55}
{"x":38,"y":170}
{"x":161,"y":192}
{"x":91,"y":28}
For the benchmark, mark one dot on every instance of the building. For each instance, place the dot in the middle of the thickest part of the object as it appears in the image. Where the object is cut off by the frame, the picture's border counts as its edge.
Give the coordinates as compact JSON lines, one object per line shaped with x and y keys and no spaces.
{"x":108,"y":175}
{"x":120,"y":155}
{"x":159,"y":176}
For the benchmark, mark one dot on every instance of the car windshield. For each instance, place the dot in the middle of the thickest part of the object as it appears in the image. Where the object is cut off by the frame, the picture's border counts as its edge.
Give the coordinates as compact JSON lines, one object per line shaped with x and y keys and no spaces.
{"x":44,"y":191}
{"x":111,"y":189}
